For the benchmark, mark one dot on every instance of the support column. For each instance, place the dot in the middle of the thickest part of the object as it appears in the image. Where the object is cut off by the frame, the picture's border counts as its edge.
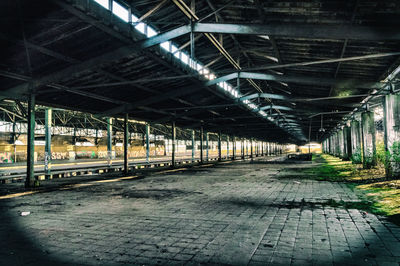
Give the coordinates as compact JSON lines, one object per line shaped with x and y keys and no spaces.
{"x":336,"y":149}
{"x":391,"y":111}
{"x":234,"y":148}
{"x":147,"y":143}
{"x":251,"y":149}
{"x":242,"y":147}
{"x":347,"y":141}
{"x":31,"y":181}
{"x":126,"y":142}
{"x":207,"y":147}
{"x":193,"y":145}
{"x":262,"y":148}
{"x":47,"y":147}
{"x":109,"y":140}
{"x":219,"y":147}
{"x":227,"y":147}
{"x":201,"y":144}
{"x":368,"y":138}
{"x":340,"y":143}
{"x":173,"y":145}
{"x":355,"y":142}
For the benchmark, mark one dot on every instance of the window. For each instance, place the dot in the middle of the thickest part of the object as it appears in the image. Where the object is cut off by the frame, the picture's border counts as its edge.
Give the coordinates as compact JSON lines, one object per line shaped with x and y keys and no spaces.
{"x":165,"y":46}
{"x":120,"y":11}
{"x":103,"y":3}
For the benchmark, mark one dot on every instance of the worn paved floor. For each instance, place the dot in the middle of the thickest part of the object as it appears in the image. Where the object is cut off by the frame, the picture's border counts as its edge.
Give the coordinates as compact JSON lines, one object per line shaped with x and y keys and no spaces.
{"x":238,"y":213}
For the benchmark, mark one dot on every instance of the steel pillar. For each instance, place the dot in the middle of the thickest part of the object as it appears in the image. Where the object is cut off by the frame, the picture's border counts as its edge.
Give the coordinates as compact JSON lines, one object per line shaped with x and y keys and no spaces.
{"x":391,"y":110}
{"x":368,"y":139}
{"x":173,"y":163}
{"x":109,"y":140}
{"x":201,"y":144}
{"x":242,"y":148}
{"x":234,"y":148}
{"x":147,"y":143}
{"x":47,"y":147}
{"x":227,"y":147}
{"x":30,"y":170}
{"x":193,"y":145}
{"x":126,"y":142}
{"x":219,"y":147}
{"x":207,"y":147}
{"x":251,"y":149}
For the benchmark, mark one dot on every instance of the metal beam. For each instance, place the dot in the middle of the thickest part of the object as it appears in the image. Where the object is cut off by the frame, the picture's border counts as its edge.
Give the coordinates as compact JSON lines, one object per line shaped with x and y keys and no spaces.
{"x":298,"y":30}
{"x":317,"y":62}
{"x":264,"y":95}
{"x":297,"y":79}
{"x":151,"y":100}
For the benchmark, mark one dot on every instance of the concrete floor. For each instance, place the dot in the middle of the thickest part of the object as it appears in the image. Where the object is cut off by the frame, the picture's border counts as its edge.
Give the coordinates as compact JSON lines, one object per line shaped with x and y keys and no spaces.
{"x":237,"y":213}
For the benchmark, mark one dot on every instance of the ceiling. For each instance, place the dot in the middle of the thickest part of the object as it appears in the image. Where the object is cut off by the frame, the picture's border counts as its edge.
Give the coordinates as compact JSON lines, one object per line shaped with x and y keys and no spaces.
{"x":309,"y":58}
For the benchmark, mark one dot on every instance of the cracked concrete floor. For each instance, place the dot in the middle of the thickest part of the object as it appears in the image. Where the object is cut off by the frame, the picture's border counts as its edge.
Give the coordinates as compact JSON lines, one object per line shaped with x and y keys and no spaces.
{"x":234,"y":214}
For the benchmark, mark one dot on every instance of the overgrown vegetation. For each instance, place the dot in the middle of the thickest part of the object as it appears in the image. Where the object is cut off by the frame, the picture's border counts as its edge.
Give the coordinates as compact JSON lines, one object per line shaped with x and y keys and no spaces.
{"x":380,"y":196}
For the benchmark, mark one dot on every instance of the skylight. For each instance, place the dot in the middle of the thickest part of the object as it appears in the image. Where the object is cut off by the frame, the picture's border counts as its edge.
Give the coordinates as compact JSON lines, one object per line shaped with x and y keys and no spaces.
{"x":120,"y":11}
{"x":103,"y":3}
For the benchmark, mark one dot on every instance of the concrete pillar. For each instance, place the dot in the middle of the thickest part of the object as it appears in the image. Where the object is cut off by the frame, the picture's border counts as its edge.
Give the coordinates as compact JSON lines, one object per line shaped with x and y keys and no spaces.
{"x":201,"y":144}
{"x":30,"y":170}
{"x":340,"y":143}
{"x":335,"y":144}
{"x":219,"y":147}
{"x":47,"y":147}
{"x":109,"y":140}
{"x":368,"y":139}
{"x":173,"y":133}
{"x":356,"y":147}
{"x":147,"y":143}
{"x":347,"y":140}
{"x":391,"y":111}
{"x":126,"y":142}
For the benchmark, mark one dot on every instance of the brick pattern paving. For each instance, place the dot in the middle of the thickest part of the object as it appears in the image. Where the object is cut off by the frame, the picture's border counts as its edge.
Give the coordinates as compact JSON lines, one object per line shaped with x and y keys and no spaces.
{"x":232,"y":214}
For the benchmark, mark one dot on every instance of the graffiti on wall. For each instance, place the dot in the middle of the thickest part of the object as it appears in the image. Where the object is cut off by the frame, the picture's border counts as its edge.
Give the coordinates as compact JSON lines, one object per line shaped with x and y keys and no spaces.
{"x":5,"y":157}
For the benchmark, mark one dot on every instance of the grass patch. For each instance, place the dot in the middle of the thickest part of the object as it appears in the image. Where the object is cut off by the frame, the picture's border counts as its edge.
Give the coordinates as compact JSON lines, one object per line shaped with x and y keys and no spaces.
{"x":379,"y":196}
